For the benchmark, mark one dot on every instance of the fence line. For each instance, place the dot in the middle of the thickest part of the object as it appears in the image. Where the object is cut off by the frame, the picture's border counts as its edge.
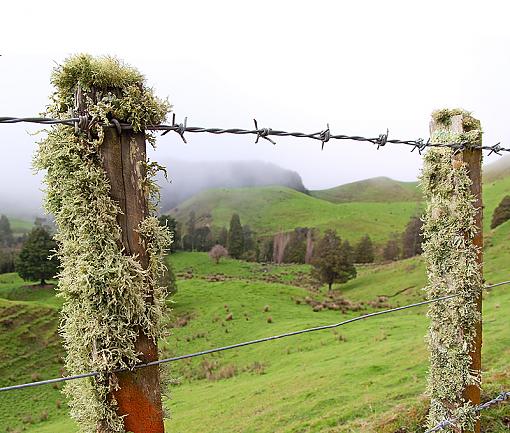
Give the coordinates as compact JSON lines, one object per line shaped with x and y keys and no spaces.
{"x":503,"y":396}
{"x":84,"y":123}
{"x":243,"y":344}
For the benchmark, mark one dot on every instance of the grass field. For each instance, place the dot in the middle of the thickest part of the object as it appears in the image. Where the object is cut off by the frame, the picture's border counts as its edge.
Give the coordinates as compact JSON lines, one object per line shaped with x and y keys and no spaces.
{"x":366,"y":377}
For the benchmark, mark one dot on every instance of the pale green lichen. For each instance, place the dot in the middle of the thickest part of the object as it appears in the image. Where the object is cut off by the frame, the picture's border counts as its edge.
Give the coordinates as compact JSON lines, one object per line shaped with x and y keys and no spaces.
{"x":452,"y":267}
{"x":106,"y":291}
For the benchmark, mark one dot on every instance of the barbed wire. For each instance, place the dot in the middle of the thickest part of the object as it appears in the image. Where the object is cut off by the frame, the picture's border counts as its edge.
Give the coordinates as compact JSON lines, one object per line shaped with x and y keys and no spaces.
{"x":503,"y":396}
{"x":324,"y":136}
{"x":243,"y":344}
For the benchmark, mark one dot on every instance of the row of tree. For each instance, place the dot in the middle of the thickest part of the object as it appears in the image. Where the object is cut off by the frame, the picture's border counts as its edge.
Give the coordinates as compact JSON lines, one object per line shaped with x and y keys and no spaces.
{"x":407,"y":244}
{"x":285,"y":247}
{"x":238,"y":239}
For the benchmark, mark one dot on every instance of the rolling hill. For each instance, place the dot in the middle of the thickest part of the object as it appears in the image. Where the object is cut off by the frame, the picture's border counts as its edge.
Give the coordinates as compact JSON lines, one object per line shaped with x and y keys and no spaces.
{"x":188,"y":178}
{"x":377,"y":207}
{"x":267,"y":210}
{"x":377,"y":189}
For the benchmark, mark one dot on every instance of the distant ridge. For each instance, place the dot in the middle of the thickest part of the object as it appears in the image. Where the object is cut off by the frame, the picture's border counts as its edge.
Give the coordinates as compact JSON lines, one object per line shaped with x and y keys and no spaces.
{"x":190,"y":178}
{"x":376,"y":189}
{"x":497,"y":170}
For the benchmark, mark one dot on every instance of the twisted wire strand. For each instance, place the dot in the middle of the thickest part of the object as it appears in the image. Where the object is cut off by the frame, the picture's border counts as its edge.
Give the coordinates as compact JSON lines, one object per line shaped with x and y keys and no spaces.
{"x":323,"y":136}
{"x":500,"y":398}
{"x":243,"y":344}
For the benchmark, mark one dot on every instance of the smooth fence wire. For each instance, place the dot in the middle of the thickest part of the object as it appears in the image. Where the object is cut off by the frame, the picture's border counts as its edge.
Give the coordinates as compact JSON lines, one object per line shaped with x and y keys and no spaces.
{"x":84,"y":123}
{"x":238,"y":345}
{"x":504,"y":396}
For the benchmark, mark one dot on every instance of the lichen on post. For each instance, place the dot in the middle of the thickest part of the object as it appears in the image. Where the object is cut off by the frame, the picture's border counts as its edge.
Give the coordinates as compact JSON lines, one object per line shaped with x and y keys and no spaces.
{"x":453,"y":253}
{"x":111,"y":296}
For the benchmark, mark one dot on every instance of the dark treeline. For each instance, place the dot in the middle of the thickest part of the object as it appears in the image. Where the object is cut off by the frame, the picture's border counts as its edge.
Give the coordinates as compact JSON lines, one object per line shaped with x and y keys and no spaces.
{"x":297,"y":246}
{"x":28,"y":254}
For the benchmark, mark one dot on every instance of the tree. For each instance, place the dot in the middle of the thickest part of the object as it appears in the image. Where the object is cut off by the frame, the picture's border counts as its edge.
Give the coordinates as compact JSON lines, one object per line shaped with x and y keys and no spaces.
{"x":331,"y":263}
{"x":249,"y":243}
{"x":412,"y":238}
{"x":235,"y":237}
{"x":168,"y":280}
{"x":217,"y":252}
{"x":295,"y":250}
{"x":223,"y":237}
{"x":347,"y":252}
{"x":6,"y":237}
{"x":191,"y":227}
{"x":364,"y":251}
{"x":7,"y":258}
{"x":501,"y":213}
{"x":203,"y":240}
{"x":391,"y":249}
{"x":34,"y":262}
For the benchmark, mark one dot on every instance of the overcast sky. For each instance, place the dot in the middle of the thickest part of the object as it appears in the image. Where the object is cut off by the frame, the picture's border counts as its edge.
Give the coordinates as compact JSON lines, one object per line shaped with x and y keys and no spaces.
{"x":362,"y":66}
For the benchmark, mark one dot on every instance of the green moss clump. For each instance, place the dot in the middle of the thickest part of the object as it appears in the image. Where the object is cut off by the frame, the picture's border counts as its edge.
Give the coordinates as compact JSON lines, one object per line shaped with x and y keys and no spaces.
{"x":113,"y":91}
{"x":472,"y":128}
{"x":105,"y":290}
{"x":452,"y":267}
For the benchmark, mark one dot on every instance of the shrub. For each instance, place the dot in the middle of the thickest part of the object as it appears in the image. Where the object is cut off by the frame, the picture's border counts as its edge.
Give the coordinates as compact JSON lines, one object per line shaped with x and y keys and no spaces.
{"x":501,"y":213}
{"x":217,"y":252}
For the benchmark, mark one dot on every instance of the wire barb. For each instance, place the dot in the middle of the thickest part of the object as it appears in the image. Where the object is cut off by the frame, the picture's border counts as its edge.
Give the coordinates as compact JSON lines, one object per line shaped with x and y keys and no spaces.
{"x":383,"y":139}
{"x":262,"y":133}
{"x":265,"y":133}
{"x":325,"y":136}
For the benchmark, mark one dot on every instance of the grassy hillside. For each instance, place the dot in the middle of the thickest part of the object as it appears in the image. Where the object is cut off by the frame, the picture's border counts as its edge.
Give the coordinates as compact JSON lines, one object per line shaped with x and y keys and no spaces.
{"x":498,"y":169}
{"x":271,"y":209}
{"x":365,"y":377}
{"x":30,"y":349}
{"x":20,"y":226}
{"x":377,"y":189}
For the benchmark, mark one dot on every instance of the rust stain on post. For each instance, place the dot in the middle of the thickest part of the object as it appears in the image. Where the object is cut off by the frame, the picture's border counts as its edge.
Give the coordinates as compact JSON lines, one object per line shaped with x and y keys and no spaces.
{"x":139,"y":393}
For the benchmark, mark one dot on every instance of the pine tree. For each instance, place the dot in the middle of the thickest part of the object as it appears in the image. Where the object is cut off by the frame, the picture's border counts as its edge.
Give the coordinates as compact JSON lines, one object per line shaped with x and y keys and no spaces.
{"x":235,"y":237}
{"x":501,"y":213}
{"x":6,"y":237}
{"x":33,"y":262}
{"x":191,"y":228}
{"x":223,"y":237}
{"x":249,"y":243}
{"x":412,"y":238}
{"x":392,"y":249}
{"x":333,"y":260}
{"x":364,"y":252}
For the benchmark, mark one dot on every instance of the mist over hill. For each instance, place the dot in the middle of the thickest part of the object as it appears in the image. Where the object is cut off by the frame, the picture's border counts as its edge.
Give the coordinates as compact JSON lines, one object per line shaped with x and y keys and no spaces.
{"x":185,"y":178}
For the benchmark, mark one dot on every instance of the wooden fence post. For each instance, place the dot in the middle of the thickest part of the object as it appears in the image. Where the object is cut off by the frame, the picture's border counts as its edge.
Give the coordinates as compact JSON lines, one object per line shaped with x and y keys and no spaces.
{"x":139,"y":393}
{"x":471,"y":158}
{"x":123,"y":154}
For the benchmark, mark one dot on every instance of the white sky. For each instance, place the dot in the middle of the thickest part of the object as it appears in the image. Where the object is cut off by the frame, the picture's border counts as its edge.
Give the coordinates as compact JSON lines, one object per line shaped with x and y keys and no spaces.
{"x":362,"y":66}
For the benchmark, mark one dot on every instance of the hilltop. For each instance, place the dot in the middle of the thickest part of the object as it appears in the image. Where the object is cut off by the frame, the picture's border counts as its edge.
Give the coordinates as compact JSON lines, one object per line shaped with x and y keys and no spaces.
{"x":188,"y":178}
{"x":377,"y":189}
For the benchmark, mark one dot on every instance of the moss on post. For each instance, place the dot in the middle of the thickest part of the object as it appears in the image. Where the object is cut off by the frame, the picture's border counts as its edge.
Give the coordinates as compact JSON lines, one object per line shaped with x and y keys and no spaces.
{"x":105,"y":290}
{"x":453,"y":266}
